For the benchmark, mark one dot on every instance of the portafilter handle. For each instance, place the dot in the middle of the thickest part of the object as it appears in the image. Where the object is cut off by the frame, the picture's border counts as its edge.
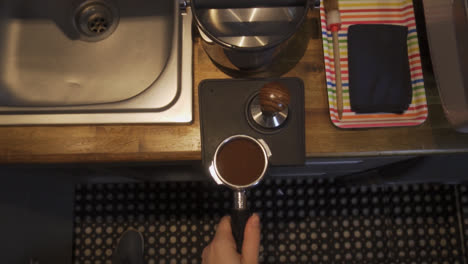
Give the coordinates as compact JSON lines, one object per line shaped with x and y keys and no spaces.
{"x":239,"y":216}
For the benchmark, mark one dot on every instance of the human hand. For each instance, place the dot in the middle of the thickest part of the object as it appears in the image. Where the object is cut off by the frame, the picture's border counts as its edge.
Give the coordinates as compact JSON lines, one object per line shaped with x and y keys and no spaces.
{"x":222,"y":248}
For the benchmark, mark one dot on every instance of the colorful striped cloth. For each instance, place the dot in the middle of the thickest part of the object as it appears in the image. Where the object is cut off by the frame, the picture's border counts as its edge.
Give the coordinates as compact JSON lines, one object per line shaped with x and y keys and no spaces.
{"x":396,"y":12}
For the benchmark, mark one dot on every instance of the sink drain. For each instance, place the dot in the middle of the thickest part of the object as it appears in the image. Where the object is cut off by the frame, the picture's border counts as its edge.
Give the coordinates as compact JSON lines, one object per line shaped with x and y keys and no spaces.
{"x":98,"y":25}
{"x":96,"y":19}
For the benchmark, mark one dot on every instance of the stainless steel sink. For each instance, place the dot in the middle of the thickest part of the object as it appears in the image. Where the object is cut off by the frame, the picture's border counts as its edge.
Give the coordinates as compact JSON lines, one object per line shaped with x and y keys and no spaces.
{"x":94,"y":61}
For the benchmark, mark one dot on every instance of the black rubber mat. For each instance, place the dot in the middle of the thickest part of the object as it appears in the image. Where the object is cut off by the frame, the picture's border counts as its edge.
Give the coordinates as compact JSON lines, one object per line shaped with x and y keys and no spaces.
{"x":233,"y":96}
{"x":304,"y":221}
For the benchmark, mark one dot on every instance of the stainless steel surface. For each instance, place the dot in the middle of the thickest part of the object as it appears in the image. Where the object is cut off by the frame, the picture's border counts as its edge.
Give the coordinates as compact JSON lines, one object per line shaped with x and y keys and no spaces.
{"x":141,"y":73}
{"x":96,"y":19}
{"x":183,"y":5}
{"x":250,"y":27}
{"x":247,"y":39}
{"x":266,"y":120}
{"x":219,"y":178}
{"x":466,"y":9}
{"x":240,"y":201}
{"x":217,"y":4}
{"x":447,"y":28}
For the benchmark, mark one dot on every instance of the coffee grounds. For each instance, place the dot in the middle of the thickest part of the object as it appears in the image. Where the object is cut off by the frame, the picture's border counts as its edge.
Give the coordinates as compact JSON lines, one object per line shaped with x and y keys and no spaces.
{"x":240,"y":161}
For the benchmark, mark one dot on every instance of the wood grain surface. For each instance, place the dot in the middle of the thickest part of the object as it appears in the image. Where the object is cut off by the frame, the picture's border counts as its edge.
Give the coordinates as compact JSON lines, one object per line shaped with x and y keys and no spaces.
{"x":129,"y":143}
{"x":274,"y":97}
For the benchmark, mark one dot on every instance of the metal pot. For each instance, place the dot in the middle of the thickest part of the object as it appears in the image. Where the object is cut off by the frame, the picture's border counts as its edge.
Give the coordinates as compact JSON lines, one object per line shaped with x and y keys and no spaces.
{"x":248,"y":38}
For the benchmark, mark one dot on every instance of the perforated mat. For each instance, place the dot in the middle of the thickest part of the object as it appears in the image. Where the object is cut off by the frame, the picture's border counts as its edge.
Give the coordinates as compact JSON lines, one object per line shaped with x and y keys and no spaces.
{"x":304,"y":221}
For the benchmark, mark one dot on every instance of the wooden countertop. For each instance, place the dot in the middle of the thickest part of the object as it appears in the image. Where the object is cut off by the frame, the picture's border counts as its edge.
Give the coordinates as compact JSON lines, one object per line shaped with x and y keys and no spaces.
{"x":130,"y":143}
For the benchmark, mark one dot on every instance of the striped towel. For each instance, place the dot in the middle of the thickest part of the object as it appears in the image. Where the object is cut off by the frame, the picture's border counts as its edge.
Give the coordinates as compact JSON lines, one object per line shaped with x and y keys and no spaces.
{"x":395,"y":12}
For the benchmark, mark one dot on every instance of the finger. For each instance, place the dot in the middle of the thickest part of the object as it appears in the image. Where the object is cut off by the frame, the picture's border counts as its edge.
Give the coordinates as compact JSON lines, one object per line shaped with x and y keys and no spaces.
{"x":205,"y":253}
{"x":224,"y":232}
{"x":251,"y":245}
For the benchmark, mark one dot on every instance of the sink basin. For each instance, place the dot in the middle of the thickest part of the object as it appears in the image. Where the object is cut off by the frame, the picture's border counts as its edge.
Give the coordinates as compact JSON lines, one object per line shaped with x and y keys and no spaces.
{"x":94,"y":61}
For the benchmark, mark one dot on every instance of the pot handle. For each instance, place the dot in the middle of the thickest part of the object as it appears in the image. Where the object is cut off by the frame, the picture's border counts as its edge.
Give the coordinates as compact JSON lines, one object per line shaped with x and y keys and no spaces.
{"x":221,"y":4}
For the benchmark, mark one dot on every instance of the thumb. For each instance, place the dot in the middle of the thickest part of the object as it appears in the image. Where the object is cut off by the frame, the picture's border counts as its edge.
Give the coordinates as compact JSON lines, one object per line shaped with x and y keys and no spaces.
{"x":251,"y":245}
